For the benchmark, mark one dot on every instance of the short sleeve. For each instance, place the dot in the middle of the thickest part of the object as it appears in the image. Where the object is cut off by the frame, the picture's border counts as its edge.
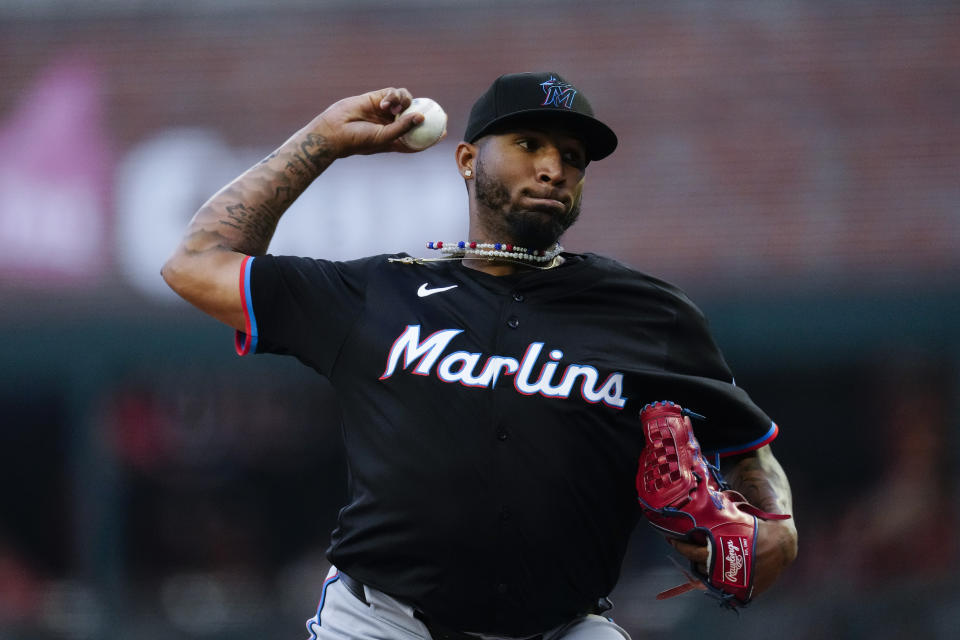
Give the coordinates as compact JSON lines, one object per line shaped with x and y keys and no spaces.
{"x":735,"y":424}
{"x":300,"y":306}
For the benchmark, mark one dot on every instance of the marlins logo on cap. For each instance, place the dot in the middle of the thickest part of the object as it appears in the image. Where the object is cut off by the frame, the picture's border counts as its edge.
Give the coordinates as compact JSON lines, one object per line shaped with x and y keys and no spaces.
{"x":539,"y":98}
{"x":559,"y":93}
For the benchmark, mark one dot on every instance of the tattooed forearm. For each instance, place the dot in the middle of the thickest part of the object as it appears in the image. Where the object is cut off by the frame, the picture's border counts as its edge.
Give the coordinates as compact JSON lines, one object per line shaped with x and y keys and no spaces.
{"x":241,"y":218}
{"x":762,"y":481}
{"x":246,"y":212}
{"x":255,"y":227}
{"x":316,"y":149}
{"x":296,"y":169}
{"x":312,"y":157}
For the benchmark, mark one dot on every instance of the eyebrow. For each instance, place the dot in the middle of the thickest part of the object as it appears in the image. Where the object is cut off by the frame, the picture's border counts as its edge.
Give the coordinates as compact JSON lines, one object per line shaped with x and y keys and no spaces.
{"x":568,"y":136}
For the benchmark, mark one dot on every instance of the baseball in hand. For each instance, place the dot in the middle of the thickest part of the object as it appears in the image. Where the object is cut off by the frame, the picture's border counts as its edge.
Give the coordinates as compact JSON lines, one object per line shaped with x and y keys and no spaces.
{"x":428,"y":132}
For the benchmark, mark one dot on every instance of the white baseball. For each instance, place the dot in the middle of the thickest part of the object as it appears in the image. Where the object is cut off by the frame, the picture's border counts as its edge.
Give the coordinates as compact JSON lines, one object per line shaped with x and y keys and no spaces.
{"x":428,"y":132}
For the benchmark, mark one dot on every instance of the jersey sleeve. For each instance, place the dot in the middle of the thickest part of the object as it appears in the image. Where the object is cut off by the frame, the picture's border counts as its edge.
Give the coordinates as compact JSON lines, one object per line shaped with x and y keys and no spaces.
{"x":300,"y":306}
{"x":734,"y":424}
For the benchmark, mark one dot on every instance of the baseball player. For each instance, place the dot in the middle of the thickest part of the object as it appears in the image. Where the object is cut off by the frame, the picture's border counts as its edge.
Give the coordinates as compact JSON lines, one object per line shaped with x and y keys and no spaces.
{"x":489,"y":396}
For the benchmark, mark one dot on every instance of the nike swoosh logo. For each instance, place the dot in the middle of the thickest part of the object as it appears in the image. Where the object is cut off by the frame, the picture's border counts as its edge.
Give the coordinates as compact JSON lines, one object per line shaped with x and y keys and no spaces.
{"x":423,"y":291}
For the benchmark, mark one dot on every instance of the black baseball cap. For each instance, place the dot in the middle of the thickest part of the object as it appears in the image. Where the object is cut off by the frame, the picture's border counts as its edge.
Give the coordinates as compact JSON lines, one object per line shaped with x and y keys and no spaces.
{"x":538,"y":97}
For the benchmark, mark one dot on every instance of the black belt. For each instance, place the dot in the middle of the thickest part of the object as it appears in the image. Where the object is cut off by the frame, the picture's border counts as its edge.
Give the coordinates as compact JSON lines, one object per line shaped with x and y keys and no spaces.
{"x":354,"y":587}
{"x":437,"y":632}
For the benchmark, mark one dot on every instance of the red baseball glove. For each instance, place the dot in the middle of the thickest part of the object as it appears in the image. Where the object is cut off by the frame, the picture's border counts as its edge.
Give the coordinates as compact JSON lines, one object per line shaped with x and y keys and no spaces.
{"x":685,"y":497}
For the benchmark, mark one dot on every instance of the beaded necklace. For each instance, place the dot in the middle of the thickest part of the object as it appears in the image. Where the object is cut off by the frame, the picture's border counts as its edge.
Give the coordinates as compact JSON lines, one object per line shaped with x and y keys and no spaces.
{"x":492,"y":252}
{"x":496,"y":250}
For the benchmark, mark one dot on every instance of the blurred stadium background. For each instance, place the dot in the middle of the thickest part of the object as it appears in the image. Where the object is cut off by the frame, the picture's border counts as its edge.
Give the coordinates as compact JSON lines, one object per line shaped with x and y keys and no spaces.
{"x":794,"y":165}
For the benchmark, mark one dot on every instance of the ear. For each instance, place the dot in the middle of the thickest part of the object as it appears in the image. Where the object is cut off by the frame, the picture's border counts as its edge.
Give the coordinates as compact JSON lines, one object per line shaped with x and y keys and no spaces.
{"x":466,"y":157}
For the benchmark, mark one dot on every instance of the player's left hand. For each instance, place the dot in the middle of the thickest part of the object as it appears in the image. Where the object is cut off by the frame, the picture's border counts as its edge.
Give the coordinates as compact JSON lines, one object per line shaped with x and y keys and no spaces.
{"x":776,"y":550}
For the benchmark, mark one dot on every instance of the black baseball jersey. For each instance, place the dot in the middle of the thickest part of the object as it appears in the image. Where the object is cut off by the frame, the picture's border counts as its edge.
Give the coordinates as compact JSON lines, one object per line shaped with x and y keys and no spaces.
{"x":491,"y":423}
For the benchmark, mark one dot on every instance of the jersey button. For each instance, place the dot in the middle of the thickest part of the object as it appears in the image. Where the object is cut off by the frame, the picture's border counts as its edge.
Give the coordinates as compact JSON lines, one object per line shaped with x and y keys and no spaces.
{"x":505,"y":513}
{"x":517,"y":296}
{"x":502,"y":434}
{"x":513,"y":322}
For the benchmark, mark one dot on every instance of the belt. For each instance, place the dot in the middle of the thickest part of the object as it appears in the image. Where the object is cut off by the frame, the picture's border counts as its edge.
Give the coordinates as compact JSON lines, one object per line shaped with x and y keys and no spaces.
{"x":353,"y":586}
{"x":437,"y":632}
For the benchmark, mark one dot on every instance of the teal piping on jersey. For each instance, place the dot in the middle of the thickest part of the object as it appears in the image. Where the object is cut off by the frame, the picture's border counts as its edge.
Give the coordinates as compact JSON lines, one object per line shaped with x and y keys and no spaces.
{"x":763,"y":440}
{"x":246,"y":342}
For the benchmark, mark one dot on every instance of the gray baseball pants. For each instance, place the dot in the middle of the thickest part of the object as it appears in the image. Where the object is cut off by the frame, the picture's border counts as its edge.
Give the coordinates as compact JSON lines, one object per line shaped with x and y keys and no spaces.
{"x":342,"y":616}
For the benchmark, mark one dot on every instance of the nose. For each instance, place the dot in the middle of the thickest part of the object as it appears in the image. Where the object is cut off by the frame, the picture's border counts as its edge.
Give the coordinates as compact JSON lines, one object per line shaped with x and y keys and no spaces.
{"x":549,"y":165}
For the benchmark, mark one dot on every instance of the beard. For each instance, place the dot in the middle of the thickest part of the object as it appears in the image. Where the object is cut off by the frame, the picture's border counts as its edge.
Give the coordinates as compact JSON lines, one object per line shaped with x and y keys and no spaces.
{"x":536,"y":229}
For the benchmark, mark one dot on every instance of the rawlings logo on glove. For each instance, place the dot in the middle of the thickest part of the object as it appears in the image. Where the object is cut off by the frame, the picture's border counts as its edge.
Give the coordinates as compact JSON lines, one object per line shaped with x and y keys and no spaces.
{"x":685,"y":497}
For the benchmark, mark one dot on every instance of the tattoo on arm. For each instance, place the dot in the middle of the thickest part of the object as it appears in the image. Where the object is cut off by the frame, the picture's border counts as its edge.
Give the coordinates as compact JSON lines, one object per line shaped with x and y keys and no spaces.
{"x":762,"y":481}
{"x":296,"y":169}
{"x":316,"y":150}
{"x":252,"y":206}
{"x":255,"y":225}
{"x":314,"y":155}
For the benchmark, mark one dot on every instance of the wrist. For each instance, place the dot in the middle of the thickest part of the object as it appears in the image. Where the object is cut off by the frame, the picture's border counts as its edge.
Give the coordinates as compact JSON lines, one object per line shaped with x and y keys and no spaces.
{"x":322,"y":133}
{"x":305,"y":155}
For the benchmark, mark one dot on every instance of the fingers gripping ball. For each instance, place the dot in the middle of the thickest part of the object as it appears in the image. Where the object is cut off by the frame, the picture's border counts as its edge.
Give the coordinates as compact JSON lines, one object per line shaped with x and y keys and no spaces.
{"x":428,"y":132}
{"x":685,"y":498}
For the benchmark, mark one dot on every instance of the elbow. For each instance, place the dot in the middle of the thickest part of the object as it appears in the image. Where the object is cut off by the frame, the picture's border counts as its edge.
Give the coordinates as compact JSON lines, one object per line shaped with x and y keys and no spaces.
{"x":165,"y":272}
{"x":172,"y":273}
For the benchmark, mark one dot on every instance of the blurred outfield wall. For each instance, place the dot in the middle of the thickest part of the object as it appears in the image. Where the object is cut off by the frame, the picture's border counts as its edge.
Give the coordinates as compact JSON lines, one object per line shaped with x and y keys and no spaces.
{"x":794,"y":165}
